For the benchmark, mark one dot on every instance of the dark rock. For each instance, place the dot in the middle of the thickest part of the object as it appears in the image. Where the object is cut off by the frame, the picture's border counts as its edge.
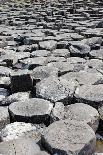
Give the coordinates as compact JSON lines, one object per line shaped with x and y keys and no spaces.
{"x":21,"y":81}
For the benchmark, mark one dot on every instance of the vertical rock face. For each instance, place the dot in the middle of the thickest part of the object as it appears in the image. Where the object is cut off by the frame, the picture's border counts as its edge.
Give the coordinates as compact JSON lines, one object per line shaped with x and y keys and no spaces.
{"x":21,"y":82}
{"x":51,"y":76}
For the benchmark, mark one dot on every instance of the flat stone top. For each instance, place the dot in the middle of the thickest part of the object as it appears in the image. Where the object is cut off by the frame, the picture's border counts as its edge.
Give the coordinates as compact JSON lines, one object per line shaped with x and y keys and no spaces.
{"x":31,"y":107}
{"x":61,"y":134}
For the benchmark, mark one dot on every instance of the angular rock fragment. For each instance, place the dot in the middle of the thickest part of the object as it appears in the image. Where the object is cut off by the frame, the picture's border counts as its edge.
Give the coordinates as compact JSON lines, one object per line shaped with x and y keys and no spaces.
{"x":3,"y":93}
{"x":5,"y":82}
{"x":78,"y":112}
{"x":83,"y":112}
{"x":5,"y":71}
{"x":94,"y":42}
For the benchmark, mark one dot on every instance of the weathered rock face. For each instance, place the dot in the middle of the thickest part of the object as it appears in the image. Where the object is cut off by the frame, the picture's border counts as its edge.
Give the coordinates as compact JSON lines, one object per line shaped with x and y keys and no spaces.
{"x":68,"y":138}
{"x":85,"y":77}
{"x":83,"y":112}
{"x":20,"y":146}
{"x":90,"y":94}
{"x":79,"y":49}
{"x":77,"y":112}
{"x":18,"y":130}
{"x":55,"y":89}
{"x":20,"y":96}
{"x":33,"y":110}
{"x":51,"y":69}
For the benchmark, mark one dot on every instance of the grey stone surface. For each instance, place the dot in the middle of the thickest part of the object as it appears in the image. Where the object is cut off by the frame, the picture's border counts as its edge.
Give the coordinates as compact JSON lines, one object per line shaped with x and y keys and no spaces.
{"x":33,"y":110}
{"x":23,"y":146}
{"x":20,"y":96}
{"x":85,"y":77}
{"x":56,"y":89}
{"x":48,"y":45}
{"x":18,"y":130}
{"x":48,"y":49}
{"x":78,"y":112}
{"x":4,"y":117}
{"x":68,"y":138}
{"x":83,"y":112}
{"x":90,"y":94}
